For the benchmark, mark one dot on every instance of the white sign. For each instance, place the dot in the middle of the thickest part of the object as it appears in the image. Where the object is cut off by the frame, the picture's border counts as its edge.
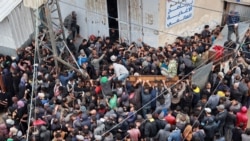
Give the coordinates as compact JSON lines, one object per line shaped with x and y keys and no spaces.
{"x":179,"y":11}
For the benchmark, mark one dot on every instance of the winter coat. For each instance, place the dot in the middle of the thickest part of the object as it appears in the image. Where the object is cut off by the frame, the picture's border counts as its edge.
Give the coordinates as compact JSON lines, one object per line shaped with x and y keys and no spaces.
{"x":2,"y":86}
{"x":64,"y":79}
{"x":99,"y":130}
{"x":81,"y":60}
{"x":150,"y":128}
{"x":175,"y":135}
{"x":237,"y":132}
{"x":153,"y":96}
{"x":8,"y":81}
{"x":163,"y":134}
{"x":96,"y":62}
{"x":220,"y":117}
{"x":45,"y":134}
{"x":242,"y":117}
{"x":106,"y":88}
{"x":230,"y":120}
{"x":213,"y":101}
{"x":145,"y":98}
{"x":187,"y":133}
{"x":245,"y":137}
{"x":210,"y":129}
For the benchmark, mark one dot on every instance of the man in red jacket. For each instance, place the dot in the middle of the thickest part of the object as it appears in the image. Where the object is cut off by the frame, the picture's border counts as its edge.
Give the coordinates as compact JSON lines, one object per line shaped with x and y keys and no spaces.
{"x":242,"y":117}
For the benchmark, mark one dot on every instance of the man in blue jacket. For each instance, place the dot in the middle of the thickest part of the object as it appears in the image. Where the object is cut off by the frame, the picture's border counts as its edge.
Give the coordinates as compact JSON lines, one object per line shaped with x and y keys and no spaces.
{"x":232,"y":21}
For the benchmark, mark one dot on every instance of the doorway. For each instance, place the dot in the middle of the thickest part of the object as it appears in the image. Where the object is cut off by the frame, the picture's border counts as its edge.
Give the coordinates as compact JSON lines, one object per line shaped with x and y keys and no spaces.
{"x":113,"y":23}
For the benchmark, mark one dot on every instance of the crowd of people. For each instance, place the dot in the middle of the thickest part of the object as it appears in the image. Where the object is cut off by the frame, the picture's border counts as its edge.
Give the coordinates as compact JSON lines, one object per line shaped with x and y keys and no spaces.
{"x":42,"y":102}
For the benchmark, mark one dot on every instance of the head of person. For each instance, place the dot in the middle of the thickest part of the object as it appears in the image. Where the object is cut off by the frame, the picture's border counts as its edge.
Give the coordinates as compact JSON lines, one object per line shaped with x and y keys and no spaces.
{"x":73,"y":14}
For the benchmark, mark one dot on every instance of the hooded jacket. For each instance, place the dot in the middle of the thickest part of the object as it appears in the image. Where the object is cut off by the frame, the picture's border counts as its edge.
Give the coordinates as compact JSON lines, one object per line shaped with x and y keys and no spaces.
{"x":175,"y":135}
{"x":45,"y":134}
{"x":150,"y":128}
{"x":242,"y":117}
{"x":99,"y":130}
{"x":163,"y":134}
{"x":146,"y":97}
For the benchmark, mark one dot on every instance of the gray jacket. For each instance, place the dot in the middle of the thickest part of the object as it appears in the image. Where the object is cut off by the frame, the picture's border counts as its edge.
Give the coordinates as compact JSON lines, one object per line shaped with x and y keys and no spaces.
{"x":163,"y":134}
{"x":67,"y":22}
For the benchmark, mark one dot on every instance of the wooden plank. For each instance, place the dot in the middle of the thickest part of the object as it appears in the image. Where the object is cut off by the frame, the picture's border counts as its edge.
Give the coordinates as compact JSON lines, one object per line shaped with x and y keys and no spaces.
{"x":154,"y":79}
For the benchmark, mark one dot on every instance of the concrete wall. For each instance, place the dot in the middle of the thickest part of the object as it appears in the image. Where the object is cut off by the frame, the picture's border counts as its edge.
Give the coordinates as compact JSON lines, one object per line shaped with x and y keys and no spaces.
{"x":200,"y":18}
{"x":91,"y":15}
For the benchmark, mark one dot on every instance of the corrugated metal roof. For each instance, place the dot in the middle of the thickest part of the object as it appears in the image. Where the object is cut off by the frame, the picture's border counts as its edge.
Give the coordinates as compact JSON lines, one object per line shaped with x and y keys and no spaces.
{"x":6,"y":6}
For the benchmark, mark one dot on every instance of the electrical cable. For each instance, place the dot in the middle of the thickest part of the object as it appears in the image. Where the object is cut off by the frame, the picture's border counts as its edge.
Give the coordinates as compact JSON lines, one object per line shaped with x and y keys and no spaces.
{"x":104,"y":15}
{"x":205,"y":105}
{"x":141,"y":25}
{"x":34,"y":79}
{"x":162,"y":92}
{"x":159,"y":94}
{"x":223,"y":13}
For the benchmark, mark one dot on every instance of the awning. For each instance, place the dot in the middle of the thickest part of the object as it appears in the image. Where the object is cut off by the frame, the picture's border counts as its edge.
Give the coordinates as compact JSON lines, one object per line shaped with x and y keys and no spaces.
{"x":6,"y":6}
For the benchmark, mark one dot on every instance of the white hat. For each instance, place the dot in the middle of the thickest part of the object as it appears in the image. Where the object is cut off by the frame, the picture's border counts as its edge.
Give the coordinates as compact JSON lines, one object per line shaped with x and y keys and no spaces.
{"x":79,"y":137}
{"x":98,"y":137}
{"x":10,"y":122}
{"x":102,"y":119}
{"x":113,"y":58}
{"x":136,"y":74}
{"x":41,"y":95}
{"x":208,"y":110}
{"x":221,"y":74}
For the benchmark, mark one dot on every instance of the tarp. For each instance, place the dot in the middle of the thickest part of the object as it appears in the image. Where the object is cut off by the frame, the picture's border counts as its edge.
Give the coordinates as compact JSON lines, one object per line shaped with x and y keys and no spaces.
{"x":200,"y":76}
{"x":6,"y":6}
{"x":34,"y":3}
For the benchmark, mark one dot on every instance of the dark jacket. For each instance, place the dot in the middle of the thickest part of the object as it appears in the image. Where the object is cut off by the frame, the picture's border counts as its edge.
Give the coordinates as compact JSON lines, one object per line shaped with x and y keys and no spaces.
{"x":210,"y":129}
{"x":221,"y":118}
{"x":163,"y":134}
{"x":237,"y":134}
{"x":150,"y":129}
{"x":230,"y":120}
{"x":45,"y":134}
{"x":145,"y":98}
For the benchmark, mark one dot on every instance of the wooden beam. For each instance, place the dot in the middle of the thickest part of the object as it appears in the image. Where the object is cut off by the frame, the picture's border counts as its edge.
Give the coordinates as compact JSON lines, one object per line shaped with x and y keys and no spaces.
{"x":51,"y":33}
{"x":84,"y":74}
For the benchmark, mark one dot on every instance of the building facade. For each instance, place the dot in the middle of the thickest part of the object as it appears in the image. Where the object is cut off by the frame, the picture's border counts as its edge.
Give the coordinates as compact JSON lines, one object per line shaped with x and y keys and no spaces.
{"x":16,"y":25}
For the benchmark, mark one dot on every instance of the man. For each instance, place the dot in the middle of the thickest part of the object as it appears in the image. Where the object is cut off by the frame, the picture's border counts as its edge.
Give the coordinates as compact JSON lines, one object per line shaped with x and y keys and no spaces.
{"x":221,"y":118}
{"x":232,"y":22}
{"x":150,"y":129}
{"x":242,"y":117}
{"x":70,"y":22}
{"x":121,"y":71}
{"x":172,"y":68}
{"x":230,"y":124}
{"x":205,"y":33}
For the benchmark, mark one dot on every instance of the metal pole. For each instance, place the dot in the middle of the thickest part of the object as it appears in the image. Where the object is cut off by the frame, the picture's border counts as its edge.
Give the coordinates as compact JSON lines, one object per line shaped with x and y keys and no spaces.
{"x":85,"y":74}
{"x":71,"y":55}
{"x":51,"y":33}
{"x":129,"y":21}
{"x":142,"y":32}
{"x":60,"y":19}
